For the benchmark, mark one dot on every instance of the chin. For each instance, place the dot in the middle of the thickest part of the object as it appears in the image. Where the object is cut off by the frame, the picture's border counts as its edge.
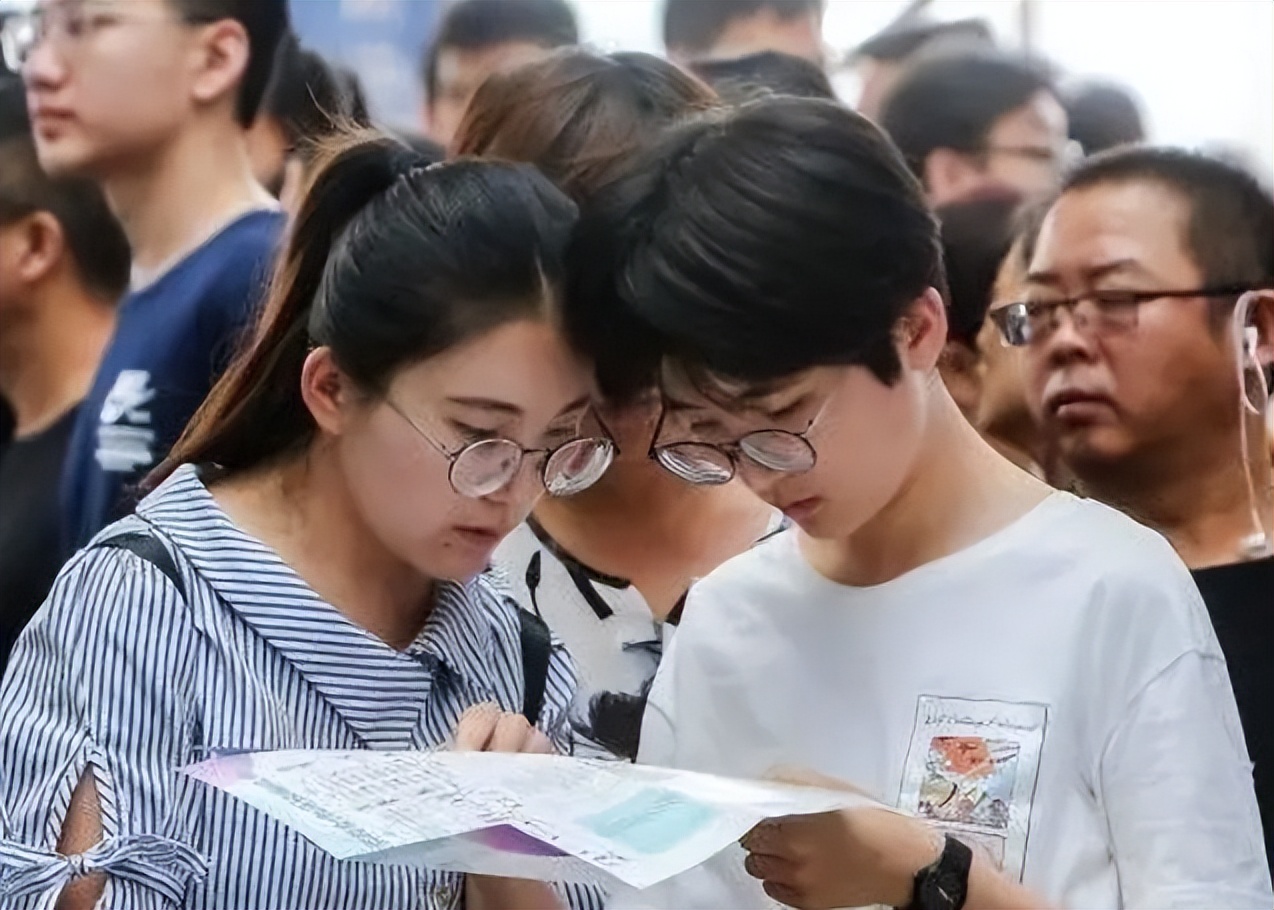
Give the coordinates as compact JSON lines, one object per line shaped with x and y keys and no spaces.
{"x":456,"y":567}
{"x":66,"y":158}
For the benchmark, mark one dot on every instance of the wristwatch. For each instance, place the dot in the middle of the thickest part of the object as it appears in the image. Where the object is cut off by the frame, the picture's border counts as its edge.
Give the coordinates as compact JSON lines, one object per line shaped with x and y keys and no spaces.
{"x":945,"y":884}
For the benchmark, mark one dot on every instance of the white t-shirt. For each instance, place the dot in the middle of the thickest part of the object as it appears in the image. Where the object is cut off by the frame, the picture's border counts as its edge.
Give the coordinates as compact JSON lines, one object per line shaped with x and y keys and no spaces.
{"x":1054,"y":693}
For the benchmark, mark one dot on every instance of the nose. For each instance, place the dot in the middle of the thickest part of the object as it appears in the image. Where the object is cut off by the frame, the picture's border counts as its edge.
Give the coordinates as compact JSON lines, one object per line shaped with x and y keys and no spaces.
{"x":44,"y":69}
{"x":1071,"y":339}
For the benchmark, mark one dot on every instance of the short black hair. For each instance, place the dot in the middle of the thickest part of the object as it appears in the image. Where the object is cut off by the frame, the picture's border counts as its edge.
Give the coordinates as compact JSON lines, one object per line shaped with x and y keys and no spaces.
{"x":306,"y":97}
{"x":768,"y":72}
{"x":266,"y":22}
{"x":901,"y":40}
{"x":953,"y":102}
{"x":694,"y":26}
{"x":752,"y":244}
{"x":1230,"y":231}
{"x":976,"y":235}
{"x":472,"y":24}
{"x":94,"y":238}
{"x":1102,"y":116}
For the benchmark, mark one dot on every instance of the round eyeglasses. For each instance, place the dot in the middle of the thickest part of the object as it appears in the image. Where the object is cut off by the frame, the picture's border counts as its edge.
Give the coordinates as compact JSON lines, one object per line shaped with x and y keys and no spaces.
{"x":711,"y":464}
{"x":487,"y":466}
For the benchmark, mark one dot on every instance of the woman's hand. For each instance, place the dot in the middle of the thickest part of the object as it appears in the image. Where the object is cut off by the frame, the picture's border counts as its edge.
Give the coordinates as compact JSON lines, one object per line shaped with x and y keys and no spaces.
{"x":486,"y":728}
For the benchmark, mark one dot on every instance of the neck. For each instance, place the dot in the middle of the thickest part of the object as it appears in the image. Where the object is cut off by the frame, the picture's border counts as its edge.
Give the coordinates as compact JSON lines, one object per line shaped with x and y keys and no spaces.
{"x":957,"y":493}
{"x":303,"y":511}
{"x":176,"y":198}
{"x":1201,"y":503}
{"x":49,"y":357}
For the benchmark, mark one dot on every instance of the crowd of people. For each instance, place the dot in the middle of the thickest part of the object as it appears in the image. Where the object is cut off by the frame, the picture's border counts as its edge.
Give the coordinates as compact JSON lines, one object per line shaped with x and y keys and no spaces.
{"x":638,"y":408}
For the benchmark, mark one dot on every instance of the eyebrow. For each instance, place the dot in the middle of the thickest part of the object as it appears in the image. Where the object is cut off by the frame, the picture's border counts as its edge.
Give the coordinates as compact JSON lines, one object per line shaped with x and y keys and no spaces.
{"x":509,"y":409}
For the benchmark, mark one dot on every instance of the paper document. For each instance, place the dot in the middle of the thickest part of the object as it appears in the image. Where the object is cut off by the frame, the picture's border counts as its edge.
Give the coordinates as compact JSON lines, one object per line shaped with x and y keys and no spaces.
{"x":524,"y":816}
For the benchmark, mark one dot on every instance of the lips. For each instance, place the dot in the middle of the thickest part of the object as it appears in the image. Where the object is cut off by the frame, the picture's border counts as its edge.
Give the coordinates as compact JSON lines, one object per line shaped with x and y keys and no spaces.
{"x":802,"y":509}
{"x":481,"y":537}
{"x":1077,"y":404}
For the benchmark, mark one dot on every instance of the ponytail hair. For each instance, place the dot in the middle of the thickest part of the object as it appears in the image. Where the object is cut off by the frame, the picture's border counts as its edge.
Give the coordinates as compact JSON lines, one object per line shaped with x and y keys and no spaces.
{"x":389,"y":262}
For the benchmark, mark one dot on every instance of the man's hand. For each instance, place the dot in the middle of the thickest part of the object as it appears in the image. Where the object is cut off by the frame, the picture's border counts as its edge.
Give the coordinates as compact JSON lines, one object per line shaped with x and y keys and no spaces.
{"x":851,"y":858}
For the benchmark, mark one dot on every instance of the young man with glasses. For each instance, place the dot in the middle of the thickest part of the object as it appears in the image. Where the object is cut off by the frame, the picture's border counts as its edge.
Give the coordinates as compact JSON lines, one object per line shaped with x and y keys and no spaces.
{"x":150,"y":99}
{"x":972,"y":121}
{"x":1030,"y":674}
{"x":1148,"y":331}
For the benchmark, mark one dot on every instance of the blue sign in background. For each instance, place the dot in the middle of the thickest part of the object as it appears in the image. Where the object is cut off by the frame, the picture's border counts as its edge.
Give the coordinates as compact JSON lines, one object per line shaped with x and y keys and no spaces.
{"x":381,"y":40}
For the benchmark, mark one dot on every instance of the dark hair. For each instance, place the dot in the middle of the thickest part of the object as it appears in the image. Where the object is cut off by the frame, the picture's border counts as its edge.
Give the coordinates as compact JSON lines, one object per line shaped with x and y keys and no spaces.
{"x":1230,"y":231}
{"x":953,"y":102}
{"x":265,"y":21}
{"x":473,"y":24}
{"x":976,"y":235}
{"x":1102,"y":116}
{"x":904,"y":38}
{"x":94,"y":238}
{"x":579,"y":116}
{"x":694,"y":26}
{"x":753,"y":244}
{"x":305,"y":97}
{"x":389,"y":263}
{"x":769,"y":72}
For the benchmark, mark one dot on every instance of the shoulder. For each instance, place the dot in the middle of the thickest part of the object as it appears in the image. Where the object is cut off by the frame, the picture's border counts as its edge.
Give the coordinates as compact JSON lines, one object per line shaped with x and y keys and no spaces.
{"x":1128,"y":573}
{"x":108,"y":605}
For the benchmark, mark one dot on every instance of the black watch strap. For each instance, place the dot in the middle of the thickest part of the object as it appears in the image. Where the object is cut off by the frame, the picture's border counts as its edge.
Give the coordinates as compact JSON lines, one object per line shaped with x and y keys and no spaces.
{"x":945,"y":884}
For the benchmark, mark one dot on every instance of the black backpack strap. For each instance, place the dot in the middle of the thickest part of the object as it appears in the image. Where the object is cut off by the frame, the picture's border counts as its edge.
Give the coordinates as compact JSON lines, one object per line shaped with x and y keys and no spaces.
{"x":537,"y":648}
{"x":148,"y":548}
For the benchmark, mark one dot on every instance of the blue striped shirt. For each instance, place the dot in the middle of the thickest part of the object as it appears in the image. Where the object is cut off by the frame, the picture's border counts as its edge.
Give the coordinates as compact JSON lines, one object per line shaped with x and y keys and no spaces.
{"x":121,"y":674}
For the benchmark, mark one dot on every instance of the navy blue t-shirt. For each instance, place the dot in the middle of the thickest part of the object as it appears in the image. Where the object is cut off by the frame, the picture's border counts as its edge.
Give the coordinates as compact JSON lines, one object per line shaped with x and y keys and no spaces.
{"x":172,"y":340}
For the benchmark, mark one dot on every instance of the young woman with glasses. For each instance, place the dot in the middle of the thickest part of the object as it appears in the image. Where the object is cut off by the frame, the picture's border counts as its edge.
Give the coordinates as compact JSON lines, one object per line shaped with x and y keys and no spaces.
{"x":306,"y":575}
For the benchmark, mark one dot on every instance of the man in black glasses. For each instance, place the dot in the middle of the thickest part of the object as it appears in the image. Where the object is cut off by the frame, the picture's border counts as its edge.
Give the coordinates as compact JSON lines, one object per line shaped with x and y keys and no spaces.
{"x":1148,"y":327}
{"x":1031,"y":674}
{"x":971,"y":121}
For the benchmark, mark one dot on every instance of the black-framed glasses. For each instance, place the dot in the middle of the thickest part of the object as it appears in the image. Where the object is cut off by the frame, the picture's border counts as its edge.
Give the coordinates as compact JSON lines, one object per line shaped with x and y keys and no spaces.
{"x":487,"y":466}
{"x":713,"y":464}
{"x":1105,"y":312}
{"x":67,"y":23}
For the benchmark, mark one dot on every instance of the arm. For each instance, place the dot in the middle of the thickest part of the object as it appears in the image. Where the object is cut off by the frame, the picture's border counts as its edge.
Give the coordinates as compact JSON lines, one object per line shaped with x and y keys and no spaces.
{"x":89,"y":731}
{"x":1176,"y":783}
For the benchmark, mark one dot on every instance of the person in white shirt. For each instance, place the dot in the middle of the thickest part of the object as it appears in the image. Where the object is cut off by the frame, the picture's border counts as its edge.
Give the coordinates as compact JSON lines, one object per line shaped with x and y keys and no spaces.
{"x":1019,"y":671}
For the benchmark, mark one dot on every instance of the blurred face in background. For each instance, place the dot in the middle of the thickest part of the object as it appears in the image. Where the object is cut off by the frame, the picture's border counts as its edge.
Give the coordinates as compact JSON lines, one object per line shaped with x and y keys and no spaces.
{"x":460,"y":71}
{"x":1128,"y":392}
{"x":1026,"y":150}
{"x":112,"y":81}
{"x":800,"y":36}
{"x":1002,"y":406}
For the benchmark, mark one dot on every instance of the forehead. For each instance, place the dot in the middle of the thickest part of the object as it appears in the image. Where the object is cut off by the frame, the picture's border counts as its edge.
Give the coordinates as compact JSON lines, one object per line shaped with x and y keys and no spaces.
{"x":1042,"y":114}
{"x":1139,"y":221}
{"x":473,"y":65}
{"x":689,"y":388}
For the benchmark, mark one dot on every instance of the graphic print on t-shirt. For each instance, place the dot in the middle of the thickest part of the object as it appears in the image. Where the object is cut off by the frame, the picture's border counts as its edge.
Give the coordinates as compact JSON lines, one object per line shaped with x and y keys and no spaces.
{"x":972,"y":768}
{"x":125,"y":435}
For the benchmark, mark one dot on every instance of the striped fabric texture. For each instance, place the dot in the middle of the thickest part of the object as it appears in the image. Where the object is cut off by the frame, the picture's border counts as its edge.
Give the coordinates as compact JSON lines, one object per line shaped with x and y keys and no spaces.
{"x":121,"y":676}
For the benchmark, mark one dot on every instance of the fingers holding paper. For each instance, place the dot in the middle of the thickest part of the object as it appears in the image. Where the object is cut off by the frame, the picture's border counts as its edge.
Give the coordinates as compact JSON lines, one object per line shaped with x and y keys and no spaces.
{"x":848,"y":858}
{"x":487,"y":728}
